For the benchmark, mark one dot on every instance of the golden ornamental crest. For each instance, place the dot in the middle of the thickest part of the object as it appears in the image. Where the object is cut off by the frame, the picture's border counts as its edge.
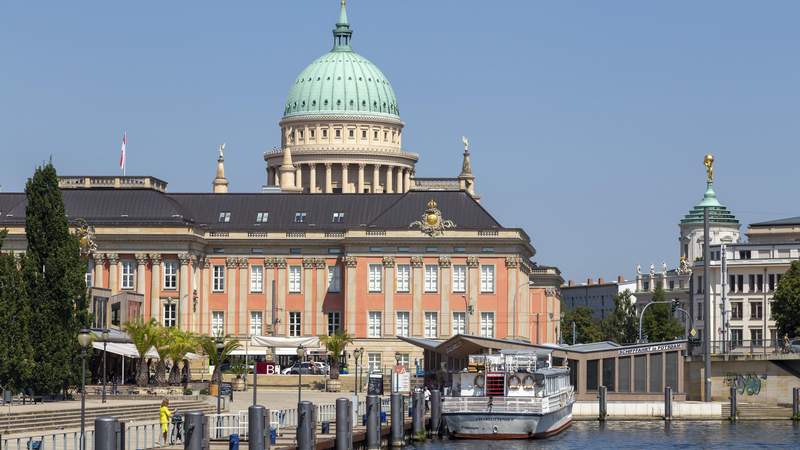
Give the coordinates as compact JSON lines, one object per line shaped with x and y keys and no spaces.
{"x":431,"y":222}
{"x":86,"y":239}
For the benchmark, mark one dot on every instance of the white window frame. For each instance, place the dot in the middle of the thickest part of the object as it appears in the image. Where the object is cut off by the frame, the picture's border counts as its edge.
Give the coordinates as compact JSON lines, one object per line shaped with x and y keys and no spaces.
{"x":336,"y":323}
{"x":373,"y":362}
{"x":459,"y":322}
{"x":375,"y":277}
{"x":256,"y":278}
{"x":431,"y":278}
{"x":295,"y":323}
{"x":431,"y":324}
{"x":256,"y":323}
{"x":402,"y":320}
{"x":334,"y":279}
{"x":403,"y":277}
{"x":217,"y":323}
{"x":169,"y":315}
{"x":170,"y":274}
{"x":295,"y":279}
{"x":374,"y":324}
{"x":459,"y":278}
{"x":487,"y":324}
{"x":88,"y":278}
{"x":218,"y":278}
{"x":487,"y":278}
{"x":127,"y":275}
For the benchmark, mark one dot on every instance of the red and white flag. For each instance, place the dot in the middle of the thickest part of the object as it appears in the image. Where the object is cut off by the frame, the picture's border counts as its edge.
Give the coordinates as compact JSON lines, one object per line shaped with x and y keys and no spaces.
{"x":122,"y":152}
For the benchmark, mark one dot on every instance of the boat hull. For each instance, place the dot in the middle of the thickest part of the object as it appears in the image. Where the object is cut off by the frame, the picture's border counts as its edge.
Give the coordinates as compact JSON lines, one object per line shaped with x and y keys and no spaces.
{"x":507,"y":425}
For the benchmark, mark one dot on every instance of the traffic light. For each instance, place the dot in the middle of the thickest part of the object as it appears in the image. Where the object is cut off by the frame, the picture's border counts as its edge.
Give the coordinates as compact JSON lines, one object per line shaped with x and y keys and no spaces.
{"x":675,"y":304}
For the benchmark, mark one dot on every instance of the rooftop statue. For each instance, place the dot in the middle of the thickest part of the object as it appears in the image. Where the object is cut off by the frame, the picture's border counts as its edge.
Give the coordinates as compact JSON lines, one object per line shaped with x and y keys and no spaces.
{"x":708,"y":161}
{"x":221,"y":149}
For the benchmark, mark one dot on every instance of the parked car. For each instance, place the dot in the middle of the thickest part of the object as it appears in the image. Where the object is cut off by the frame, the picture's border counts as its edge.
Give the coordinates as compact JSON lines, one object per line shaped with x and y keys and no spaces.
{"x":322,"y":368}
{"x":794,"y":345}
{"x":305,"y":368}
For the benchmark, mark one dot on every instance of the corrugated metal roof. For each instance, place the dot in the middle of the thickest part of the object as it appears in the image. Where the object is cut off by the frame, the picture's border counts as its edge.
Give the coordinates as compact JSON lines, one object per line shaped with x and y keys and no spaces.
{"x":778,"y":222}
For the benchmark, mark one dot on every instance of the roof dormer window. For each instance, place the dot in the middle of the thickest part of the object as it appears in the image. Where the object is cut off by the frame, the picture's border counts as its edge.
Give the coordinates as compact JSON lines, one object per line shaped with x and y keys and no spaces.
{"x":338,"y":217}
{"x":262,"y":217}
{"x":300,"y":217}
{"x":224,"y":217}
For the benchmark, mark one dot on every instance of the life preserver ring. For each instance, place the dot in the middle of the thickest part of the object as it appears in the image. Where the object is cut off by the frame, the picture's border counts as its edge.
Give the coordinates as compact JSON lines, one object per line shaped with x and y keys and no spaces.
{"x":513,"y":382}
{"x":528,"y":383}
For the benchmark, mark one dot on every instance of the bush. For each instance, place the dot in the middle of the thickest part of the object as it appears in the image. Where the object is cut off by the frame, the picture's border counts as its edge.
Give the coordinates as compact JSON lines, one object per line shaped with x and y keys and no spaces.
{"x":187,"y":391}
{"x":204,"y":391}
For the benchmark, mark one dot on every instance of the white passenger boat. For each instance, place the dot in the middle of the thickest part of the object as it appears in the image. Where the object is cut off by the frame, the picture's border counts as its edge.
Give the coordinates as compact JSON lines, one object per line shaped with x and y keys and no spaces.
{"x":510,"y":395}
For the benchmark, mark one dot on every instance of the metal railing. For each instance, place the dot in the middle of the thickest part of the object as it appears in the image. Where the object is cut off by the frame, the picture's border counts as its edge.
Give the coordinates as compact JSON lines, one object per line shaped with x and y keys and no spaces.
{"x":522,"y":405}
{"x":138,"y":436}
{"x":745,"y":347}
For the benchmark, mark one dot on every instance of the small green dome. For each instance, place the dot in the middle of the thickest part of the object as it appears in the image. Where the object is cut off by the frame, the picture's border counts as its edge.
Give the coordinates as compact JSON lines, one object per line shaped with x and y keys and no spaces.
{"x":717,"y":212}
{"x":342,"y":82}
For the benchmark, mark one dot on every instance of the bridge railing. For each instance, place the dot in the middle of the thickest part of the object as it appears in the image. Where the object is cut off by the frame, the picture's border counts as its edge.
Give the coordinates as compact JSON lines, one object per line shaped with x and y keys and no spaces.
{"x":753,"y":347}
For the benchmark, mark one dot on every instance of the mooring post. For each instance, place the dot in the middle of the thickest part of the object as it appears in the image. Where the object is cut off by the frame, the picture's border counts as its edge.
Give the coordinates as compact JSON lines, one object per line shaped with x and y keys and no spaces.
{"x":796,"y":403}
{"x":418,"y":418}
{"x":603,"y":406}
{"x":668,"y":403}
{"x":398,"y":428}
{"x":436,"y":412}
{"x":344,"y":424}
{"x":733,"y":403}
{"x":256,"y":423}
{"x":306,"y":426}
{"x":194,"y":423}
{"x":105,"y":433}
{"x":373,"y":422}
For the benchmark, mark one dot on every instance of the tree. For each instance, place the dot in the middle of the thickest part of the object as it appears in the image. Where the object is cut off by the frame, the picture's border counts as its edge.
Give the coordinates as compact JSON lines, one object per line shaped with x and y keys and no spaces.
{"x":335,"y":345}
{"x":54,"y":276}
{"x":786,"y":309}
{"x":659,"y":324}
{"x":16,"y":352}
{"x":586,"y":326}
{"x":161,"y":343}
{"x":215,"y":358}
{"x":621,"y":326}
{"x":141,"y":334}
{"x":180,"y":343}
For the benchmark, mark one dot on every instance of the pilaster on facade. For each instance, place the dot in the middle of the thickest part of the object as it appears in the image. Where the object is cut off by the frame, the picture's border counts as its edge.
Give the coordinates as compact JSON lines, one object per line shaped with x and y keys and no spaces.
{"x":473,"y":264}
{"x":99,"y":263}
{"x":350,"y":263}
{"x":113,"y":272}
{"x":269,"y":280}
{"x":309,"y":315}
{"x":512,"y":263}
{"x":283,"y":317}
{"x":243,"y":326}
{"x":231,"y":264}
{"x":388,"y":295}
{"x":417,"y":278}
{"x":155,"y":286}
{"x":321,"y":269}
{"x":184,"y":258}
{"x":204,"y":324}
{"x":444,"y":296}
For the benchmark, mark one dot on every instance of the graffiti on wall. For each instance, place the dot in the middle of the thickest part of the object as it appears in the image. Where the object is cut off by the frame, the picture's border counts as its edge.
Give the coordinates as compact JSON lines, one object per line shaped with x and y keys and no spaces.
{"x":746,"y":384}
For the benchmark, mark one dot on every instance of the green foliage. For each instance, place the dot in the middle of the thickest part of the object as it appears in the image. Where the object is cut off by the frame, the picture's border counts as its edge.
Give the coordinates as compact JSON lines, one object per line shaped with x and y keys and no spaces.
{"x":16,"y":352}
{"x":658,"y":323}
{"x":187,"y":391}
{"x":621,"y":326}
{"x":586,"y":326}
{"x":142,"y":335}
{"x":786,"y":309}
{"x":54,"y":276}
{"x":209,"y":346}
{"x":335,"y":344}
{"x":179,"y":343}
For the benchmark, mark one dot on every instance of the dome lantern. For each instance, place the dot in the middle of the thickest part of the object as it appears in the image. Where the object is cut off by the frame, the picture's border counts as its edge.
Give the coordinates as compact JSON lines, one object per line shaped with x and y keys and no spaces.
{"x":342,"y":33}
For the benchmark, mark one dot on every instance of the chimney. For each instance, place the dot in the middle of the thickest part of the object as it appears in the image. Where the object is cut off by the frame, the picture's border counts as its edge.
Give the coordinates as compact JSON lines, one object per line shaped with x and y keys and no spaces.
{"x":601,"y":281}
{"x":620,"y":279}
{"x":570,"y":283}
{"x":589,"y":281}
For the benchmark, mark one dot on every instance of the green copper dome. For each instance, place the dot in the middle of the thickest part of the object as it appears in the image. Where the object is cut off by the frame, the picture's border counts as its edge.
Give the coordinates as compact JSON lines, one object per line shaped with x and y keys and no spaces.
{"x":342,"y":82}
{"x":717,"y":213}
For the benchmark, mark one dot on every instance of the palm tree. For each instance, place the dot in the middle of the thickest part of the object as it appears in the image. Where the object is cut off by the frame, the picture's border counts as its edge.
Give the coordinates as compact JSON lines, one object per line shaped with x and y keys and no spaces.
{"x":142,"y":334}
{"x":336,"y":344}
{"x":161,"y":343}
{"x":180,"y":343}
{"x":209,"y":346}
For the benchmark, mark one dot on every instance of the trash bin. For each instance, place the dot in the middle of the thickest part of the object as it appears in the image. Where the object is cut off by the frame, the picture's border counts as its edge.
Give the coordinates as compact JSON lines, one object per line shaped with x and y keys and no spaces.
{"x":326,"y":427}
{"x":273,"y":435}
{"x":233,"y":443}
{"x":383,"y":417}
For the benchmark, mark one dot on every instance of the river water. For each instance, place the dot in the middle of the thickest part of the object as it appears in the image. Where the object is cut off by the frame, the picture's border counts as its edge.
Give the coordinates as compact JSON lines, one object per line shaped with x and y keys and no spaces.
{"x":586,"y":435}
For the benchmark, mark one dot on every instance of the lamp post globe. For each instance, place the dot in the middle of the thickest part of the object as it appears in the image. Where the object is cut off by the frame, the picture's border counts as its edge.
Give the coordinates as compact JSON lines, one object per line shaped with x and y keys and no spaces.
{"x":84,"y":339}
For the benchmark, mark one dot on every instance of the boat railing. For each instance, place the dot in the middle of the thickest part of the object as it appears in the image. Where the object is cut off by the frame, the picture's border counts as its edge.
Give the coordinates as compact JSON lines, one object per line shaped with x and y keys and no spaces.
{"x":528,"y":405}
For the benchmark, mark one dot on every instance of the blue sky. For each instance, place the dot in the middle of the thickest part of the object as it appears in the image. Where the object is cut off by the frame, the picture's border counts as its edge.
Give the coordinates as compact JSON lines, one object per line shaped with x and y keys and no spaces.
{"x":588,"y":120}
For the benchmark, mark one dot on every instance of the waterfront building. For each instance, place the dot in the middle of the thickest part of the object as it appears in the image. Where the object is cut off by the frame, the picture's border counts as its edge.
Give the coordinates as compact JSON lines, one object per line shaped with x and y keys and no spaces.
{"x":598,"y":296}
{"x":305,"y":256}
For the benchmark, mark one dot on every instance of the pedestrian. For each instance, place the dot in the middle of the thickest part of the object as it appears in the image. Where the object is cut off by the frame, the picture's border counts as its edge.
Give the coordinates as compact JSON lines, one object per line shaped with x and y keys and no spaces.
{"x":786,"y":343}
{"x":427,"y":395}
{"x":164,"y":415}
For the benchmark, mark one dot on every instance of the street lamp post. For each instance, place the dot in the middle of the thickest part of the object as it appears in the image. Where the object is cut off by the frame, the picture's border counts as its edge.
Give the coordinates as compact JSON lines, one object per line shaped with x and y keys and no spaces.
{"x":220,"y":345}
{"x":84,"y":338}
{"x":397,"y":373}
{"x":105,"y":343}
{"x":301,"y":354}
{"x":468,"y":310}
{"x":357,"y":357}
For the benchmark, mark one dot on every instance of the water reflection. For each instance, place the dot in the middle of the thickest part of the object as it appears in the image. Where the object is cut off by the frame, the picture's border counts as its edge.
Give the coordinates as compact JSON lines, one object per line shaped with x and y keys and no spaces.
{"x":649,"y":435}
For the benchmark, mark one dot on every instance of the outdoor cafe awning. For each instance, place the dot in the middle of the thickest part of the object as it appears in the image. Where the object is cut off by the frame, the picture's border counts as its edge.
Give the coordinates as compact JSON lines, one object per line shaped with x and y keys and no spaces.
{"x":129,"y":350}
{"x":284,"y":345}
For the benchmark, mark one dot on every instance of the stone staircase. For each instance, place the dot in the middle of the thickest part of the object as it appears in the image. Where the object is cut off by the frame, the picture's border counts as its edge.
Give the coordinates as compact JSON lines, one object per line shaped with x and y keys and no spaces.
{"x":49,"y":421}
{"x":755,"y":411}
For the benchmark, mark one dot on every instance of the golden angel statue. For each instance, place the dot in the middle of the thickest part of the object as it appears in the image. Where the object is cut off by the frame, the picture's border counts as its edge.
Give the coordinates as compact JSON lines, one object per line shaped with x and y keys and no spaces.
{"x":708,"y":161}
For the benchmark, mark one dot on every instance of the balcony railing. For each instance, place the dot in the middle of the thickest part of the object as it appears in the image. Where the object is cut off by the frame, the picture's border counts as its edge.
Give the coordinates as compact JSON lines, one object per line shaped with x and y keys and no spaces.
{"x":737,"y":347}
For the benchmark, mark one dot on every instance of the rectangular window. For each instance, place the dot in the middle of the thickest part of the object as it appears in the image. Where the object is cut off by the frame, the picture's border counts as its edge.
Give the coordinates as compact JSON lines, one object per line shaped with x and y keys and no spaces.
{"x":256,"y":323}
{"x":170,"y":315}
{"x":170,"y":275}
{"x":671,"y":285}
{"x":338,"y":133}
{"x":373,"y":362}
{"x":334,"y":279}
{"x":655,"y":373}
{"x":431,"y":325}
{"x":731,"y":283}
{"x":771,"y":282}
{"x":88,"y":279}
{"x":375,"y":277}
{"x":262,"y":217}
{"x":459,"y":278}
{"x":403,"y":278}
{"x":760,"y":283}
{"x":325,"y":133}
{"x":737,"y":311}
{"x":751,"y":283}
{"x":756,"y":310}
{"x":294,"y":279}
{"x":740,"y":283}
{"x":312,"y":133}
{"x":404,"y":359}
{"x":756,"y":337}
{"x":487,"y":278}
{"x":699,"y":311}
{"x":459,"y":323}
{"x":671,"y":370}
{"x":256,"y":278}
{"x":608,"y":374}
{"x":127,"y":274}
{"x":699,"y":284}
{"x":219,"y":278}
{"x":338,"y":217}
{"x":624,"y":374}
{"x":294,"y":324}
{"x":334,"y":322}
{"x":640,"y":373}
{"x":363,"y":134}
{"x":591,"y":374}
{"x":736,"y":337}
{"x":431,"y":278}
{"x":487,"y":324}
{"x":401,"y":324}
{"x":224,"y":217}
{"x":299,"y":217}
{"x":217,"y":323}
{"x":374,"y":324}
{"x":351,"y":133}
{"x":745,"y":254}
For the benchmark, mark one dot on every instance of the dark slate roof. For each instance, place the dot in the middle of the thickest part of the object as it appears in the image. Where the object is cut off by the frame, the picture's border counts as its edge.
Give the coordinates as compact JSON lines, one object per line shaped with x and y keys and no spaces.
{"x":150,"y":207}
{"x":778,"y":222}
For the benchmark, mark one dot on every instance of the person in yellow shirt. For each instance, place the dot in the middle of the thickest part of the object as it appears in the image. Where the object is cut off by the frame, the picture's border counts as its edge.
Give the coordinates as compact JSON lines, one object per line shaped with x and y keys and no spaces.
{"x":164,"y":416}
